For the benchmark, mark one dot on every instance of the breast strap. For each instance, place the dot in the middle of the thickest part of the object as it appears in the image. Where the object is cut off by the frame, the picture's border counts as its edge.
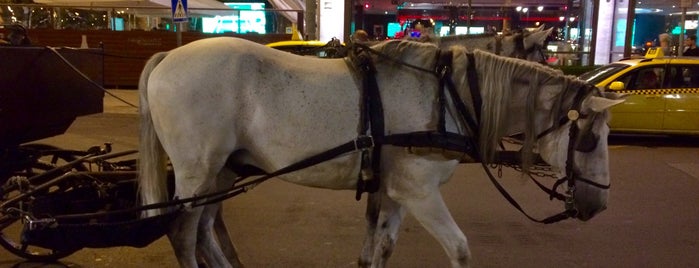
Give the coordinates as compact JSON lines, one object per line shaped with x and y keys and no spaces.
{"x":372,"y":117}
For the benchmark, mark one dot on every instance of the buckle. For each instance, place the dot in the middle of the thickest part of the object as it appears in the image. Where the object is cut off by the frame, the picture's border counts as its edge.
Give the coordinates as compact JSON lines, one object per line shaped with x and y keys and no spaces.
{"x":573,"y":115}
{"x":363,"y":142}
{"x":35,"y":224}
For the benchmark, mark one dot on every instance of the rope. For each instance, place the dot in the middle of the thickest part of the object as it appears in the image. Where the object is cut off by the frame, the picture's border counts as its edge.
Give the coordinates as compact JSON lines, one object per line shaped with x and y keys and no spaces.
{"x":84,"y":76}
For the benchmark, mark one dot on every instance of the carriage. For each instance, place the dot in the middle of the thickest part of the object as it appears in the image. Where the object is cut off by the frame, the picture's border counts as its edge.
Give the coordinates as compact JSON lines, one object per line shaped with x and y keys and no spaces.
{"x":87,"y":199}
{"x":51,"y":198}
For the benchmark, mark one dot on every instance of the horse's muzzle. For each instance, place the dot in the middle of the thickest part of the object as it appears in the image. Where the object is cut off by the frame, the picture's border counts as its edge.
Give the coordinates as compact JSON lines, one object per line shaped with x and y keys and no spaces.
{"x":589,"y":201}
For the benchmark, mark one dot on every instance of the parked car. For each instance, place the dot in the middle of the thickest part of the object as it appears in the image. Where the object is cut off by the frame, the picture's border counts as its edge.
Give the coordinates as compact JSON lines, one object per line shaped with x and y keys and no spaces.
{"x":663,"y":94}
{"x":332,"y":49}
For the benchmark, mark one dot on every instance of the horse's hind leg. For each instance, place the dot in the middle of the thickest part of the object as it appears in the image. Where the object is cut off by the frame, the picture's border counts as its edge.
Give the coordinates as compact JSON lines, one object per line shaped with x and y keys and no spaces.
{"x":210,"y":239}
{"x":183,"y":236}
{"x":224,"y":240}
{"x":213,"y":241}
{"x":193,"y":228}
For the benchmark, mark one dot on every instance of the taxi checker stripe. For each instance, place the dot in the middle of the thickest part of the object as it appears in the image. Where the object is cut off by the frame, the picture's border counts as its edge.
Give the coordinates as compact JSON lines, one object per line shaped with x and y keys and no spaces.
{"x":662,"y":91}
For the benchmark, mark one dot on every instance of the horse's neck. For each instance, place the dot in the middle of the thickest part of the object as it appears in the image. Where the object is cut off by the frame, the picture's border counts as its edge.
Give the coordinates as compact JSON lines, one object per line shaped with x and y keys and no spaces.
{"x":508,"y":45}
{"x":484,"y":42}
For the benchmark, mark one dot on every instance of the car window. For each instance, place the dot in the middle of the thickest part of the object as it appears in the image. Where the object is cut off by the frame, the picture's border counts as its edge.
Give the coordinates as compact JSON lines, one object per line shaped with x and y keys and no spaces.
{"x":598,"y":75}
{"x":683,"y":76}
{"x":652,"y":77}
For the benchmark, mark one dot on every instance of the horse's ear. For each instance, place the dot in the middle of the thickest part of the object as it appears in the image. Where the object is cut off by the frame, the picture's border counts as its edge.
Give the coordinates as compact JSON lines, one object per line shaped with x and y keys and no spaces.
{"x":599,"y":104}
{"x":540,"y":28}
{"x":536,"y":38}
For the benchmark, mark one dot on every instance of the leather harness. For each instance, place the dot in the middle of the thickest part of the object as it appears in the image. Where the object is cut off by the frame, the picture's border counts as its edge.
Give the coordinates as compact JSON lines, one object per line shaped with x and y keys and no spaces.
{"x":373,"y":120}
{"x":371,"y":137}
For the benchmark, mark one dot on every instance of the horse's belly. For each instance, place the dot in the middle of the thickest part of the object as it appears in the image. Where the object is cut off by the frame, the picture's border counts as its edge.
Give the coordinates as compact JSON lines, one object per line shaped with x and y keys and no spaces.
{"x":339,"y":174}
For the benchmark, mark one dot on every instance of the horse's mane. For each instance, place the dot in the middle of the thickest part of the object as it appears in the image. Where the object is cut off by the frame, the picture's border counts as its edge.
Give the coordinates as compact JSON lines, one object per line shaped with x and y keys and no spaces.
{"x":495,"y":75}
{"x":418,"y":53}
{"x":453,"y":38}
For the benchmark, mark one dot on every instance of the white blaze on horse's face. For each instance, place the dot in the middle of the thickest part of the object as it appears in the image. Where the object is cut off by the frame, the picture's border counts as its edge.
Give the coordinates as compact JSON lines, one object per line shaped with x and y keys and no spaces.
{"x":594,"y":165}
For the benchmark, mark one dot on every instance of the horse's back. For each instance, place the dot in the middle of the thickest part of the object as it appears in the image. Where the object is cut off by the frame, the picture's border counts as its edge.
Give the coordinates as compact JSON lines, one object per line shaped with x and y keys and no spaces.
{"x":227,"y":71}
{"x":216,"y":96}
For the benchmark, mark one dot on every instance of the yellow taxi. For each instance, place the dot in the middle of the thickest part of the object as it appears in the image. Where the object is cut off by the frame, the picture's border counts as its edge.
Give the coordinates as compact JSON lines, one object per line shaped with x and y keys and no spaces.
{"x":662,"y":93}
{"x":332,"y":49}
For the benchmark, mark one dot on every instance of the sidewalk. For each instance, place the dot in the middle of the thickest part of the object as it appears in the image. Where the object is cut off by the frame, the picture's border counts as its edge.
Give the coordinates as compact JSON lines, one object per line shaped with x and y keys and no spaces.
{"x":121,"y":101}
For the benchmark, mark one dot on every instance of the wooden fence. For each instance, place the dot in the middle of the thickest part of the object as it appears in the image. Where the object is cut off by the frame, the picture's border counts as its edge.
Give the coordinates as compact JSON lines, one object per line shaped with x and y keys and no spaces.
{"x":125,"y":52}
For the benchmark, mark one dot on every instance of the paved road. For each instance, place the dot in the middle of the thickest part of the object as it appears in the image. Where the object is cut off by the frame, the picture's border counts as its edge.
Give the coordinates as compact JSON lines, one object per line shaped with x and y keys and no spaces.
{"x":651,"y":221}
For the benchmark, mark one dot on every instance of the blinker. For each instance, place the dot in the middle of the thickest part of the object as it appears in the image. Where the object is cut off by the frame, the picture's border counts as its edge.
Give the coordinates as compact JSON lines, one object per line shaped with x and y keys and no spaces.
{"x":587,"y":140}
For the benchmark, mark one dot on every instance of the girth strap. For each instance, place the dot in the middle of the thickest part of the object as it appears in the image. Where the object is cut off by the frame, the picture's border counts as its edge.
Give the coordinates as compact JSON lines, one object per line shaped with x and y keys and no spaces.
{"x":372,"y":120}
{"x":434,"y":139}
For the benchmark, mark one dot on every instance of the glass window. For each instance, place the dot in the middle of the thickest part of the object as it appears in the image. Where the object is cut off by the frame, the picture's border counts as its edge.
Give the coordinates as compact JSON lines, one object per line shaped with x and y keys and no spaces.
{"x":644,"y":78}
{"x":684,"y":76}
{"x":597,"y":75}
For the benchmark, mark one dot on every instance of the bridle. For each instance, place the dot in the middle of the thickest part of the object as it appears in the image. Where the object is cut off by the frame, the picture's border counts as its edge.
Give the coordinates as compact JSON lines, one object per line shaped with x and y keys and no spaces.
{"x":580,"y":140}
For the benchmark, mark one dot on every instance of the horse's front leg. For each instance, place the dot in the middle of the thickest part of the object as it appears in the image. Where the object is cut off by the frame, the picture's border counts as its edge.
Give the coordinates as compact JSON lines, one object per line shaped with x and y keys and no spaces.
{"x":183,"y":236}
{"x":378,"y":245}
{"x":373,"y":205}
{"x":390,"y":217}
{"x":432,"y":213}
{"x":208,"y":247}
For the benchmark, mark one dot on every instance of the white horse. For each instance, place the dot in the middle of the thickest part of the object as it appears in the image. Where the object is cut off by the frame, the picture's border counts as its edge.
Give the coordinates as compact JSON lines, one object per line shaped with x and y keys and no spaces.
{"x":528,"y":45}
{"x":217,"y":104}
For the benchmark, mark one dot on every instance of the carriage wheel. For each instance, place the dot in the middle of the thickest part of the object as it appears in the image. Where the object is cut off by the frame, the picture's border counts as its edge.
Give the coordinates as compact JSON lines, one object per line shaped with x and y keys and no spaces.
{"x":28,"y":252}
{"x":12,"y":224}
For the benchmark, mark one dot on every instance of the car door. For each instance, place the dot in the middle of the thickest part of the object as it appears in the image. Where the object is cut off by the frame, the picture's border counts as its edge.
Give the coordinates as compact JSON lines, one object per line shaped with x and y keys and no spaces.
{"x":682,"y":99}
{"x":644,"y":106}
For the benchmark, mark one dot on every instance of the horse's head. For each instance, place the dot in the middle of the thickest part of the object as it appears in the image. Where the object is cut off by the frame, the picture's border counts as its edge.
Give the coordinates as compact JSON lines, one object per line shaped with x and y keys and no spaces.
{"x":528,"y":45}
{"x":577,"y":147}
{"x":563,"y":119}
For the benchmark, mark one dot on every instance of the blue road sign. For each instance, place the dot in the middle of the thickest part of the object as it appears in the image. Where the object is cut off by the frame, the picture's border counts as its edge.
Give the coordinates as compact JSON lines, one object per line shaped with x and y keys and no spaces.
{"x":179,"y":11}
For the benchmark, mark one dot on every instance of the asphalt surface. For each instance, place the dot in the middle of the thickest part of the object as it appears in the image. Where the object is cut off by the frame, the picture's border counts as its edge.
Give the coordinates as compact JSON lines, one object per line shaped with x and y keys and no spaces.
{"x":651,"y":220}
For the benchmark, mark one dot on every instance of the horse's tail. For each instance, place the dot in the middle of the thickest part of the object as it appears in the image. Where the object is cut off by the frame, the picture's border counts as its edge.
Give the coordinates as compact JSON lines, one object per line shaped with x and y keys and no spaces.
{"x":152,"y":171}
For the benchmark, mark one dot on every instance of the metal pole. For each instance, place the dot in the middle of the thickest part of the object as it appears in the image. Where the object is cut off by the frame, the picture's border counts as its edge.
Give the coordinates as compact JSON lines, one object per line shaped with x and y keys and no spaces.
{"x":178,"y":31}
{"x":300,"y":26}
{"x":629,"y":28}
{"x":681,"y":46}
{"x":468,"y":18}
{"x":310,"y":20}
{"x":593,"y":39}
{"x":347,"y":24}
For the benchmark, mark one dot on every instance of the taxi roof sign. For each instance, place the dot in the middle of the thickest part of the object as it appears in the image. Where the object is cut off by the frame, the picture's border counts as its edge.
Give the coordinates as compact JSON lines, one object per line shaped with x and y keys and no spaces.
{"x":654,"y":52}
